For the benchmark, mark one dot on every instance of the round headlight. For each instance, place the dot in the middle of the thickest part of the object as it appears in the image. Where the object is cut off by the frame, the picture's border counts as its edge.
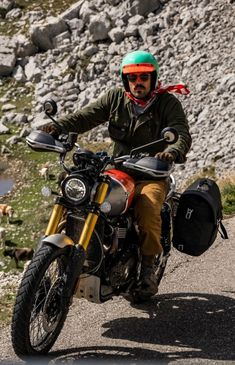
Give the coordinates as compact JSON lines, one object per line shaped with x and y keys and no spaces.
{"x":75,"y":189}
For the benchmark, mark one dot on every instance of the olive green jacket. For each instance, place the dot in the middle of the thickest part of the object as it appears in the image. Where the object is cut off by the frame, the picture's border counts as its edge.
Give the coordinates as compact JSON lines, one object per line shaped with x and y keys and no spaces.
{"x":129,"y":131}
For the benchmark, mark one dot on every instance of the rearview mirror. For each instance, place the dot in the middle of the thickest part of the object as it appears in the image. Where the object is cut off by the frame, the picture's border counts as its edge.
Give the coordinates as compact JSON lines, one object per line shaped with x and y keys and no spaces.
{"x":50,"y":107}
{"x":170,"y":135}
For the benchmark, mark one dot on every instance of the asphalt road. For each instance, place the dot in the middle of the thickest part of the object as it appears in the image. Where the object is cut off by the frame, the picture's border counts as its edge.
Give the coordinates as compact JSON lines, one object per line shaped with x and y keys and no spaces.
{"x":191,"y":320}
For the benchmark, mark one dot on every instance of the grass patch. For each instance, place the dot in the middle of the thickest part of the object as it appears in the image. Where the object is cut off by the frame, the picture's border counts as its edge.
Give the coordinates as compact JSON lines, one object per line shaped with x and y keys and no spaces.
{"x":18,"y":94}
{"x":228,"y":199}
{"x":6,"y":305}
{"x":52,"y":6}
{"x":227,"y":186}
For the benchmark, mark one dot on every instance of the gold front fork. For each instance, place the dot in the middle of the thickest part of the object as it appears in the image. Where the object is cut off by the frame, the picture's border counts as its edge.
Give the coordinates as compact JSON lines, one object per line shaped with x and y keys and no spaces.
{"x":55,"y":219}
{"x":92,"y":217}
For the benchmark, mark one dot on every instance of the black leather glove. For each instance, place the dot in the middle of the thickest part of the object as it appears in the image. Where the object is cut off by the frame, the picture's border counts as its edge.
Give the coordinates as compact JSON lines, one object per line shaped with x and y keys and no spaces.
{"x":52,"y":129}
{"x":166,"y":156}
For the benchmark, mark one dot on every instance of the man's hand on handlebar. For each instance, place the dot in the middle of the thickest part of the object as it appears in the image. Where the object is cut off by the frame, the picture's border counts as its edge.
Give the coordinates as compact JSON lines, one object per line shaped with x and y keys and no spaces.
{"x":52,"y":129}
{"x":166,"y":156}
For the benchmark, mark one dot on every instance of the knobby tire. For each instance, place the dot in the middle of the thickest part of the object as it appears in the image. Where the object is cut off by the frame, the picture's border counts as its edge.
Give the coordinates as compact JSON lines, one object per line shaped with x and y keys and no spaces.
{"x":25,"y":303}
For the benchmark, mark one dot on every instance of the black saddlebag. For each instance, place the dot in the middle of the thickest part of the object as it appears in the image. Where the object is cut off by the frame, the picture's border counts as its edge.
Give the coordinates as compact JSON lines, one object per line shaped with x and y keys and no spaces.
{"x":198,"y":218}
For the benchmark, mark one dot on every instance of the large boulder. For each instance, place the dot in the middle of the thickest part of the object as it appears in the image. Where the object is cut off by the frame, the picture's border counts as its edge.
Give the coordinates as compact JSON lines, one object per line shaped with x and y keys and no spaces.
{"x":99,"y":27}
{"x":42,"y":34}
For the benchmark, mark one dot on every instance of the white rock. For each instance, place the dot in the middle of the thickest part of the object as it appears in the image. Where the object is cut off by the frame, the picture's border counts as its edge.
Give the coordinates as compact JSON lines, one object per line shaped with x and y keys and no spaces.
{"x":116,"y":35}
{"x":7,"y":107}
{"x":99,"y":27}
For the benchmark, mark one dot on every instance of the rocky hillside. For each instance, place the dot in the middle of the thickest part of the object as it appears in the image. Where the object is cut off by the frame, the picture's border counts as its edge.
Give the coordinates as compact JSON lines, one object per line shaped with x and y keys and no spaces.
{"x":75,"y":56}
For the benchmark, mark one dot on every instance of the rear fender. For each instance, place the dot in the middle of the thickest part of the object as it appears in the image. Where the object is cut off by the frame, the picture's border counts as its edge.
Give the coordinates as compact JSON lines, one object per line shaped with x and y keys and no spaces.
{"x":59,"y":239}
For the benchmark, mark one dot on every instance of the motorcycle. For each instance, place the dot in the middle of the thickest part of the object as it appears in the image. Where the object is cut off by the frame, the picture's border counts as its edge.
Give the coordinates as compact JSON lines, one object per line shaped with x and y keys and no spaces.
{"x":91,"y":245}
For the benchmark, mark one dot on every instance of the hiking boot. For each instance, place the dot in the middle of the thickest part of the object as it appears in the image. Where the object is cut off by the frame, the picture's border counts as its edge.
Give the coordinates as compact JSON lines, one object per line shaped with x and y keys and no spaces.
{"x":148,"y":280}
{"x":149,"y":284}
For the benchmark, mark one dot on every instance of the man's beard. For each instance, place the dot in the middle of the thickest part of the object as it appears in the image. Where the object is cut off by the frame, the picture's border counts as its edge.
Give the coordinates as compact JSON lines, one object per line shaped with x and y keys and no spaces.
{"x":140,"y":89}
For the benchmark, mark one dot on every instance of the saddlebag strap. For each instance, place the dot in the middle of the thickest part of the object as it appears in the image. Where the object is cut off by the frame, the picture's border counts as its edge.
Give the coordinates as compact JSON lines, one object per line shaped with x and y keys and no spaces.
{"x":222,"y":231}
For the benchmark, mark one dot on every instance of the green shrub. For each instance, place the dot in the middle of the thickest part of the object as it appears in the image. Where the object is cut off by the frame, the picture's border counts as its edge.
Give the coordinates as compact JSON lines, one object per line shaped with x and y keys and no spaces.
{"x":228,"y":199}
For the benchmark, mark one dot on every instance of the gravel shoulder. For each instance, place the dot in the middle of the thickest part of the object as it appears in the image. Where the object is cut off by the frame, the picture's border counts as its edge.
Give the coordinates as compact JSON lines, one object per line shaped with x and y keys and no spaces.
{"x":191,"y":320}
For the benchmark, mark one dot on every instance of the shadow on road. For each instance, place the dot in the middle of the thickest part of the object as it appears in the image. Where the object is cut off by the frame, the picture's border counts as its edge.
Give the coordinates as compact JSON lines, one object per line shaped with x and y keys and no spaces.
{"x":204,"y":323}
{"x":110,"y":355}
{"x":199,"y":326}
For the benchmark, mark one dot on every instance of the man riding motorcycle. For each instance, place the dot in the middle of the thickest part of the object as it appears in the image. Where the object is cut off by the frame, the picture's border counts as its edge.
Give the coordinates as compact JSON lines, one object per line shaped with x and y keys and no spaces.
{"x":136,"y":114}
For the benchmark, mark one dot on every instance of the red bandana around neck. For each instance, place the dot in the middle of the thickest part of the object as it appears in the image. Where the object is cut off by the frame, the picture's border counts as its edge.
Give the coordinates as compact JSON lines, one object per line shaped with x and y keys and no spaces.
{"x":179,"y":89}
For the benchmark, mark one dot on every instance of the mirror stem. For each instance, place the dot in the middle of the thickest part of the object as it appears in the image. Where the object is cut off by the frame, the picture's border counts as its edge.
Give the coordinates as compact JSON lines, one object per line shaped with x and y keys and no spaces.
{"x":146,"y":145}
{"x":54,"y":121}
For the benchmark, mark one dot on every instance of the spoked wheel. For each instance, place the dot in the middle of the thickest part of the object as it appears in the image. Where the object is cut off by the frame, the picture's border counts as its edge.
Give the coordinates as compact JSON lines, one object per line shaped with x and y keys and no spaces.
{"x":40,"y":309}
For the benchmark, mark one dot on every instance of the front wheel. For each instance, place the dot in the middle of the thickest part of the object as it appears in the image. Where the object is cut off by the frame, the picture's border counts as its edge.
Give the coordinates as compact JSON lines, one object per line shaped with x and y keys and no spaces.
{"x":40,"y":308}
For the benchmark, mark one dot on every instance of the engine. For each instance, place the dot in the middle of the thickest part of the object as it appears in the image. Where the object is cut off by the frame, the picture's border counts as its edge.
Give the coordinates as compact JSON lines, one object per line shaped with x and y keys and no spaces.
{"x":123,"y":253}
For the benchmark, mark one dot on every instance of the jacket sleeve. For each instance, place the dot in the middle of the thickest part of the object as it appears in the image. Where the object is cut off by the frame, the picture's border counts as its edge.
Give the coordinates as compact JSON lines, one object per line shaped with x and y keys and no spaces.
{"x":89,"y":117}
{"x":175,"y":117}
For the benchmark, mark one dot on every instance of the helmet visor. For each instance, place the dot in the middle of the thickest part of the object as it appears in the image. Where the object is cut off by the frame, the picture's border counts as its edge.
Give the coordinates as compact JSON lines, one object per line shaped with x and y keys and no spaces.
{"x":139,"y":67}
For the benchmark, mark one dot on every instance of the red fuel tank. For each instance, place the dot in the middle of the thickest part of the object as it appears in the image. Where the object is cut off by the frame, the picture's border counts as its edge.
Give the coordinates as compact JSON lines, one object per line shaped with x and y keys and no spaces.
{"x":121,"y":191}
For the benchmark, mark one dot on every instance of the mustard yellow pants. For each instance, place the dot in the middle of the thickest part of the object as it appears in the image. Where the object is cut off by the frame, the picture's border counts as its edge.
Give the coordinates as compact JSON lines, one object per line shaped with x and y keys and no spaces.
{"x":149,"y":197}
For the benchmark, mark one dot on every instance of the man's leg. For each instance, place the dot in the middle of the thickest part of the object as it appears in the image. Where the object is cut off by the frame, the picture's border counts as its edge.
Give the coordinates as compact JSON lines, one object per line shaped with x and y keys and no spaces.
{"x":149,"y":199}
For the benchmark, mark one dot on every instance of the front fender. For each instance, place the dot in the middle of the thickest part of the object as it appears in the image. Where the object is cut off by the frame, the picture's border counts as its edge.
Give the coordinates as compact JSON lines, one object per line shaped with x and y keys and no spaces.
{"x":59,"y":239}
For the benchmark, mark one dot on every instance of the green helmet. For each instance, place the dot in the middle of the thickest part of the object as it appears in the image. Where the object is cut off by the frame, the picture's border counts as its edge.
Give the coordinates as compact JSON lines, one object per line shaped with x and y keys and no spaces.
{"x":139,"y":61}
